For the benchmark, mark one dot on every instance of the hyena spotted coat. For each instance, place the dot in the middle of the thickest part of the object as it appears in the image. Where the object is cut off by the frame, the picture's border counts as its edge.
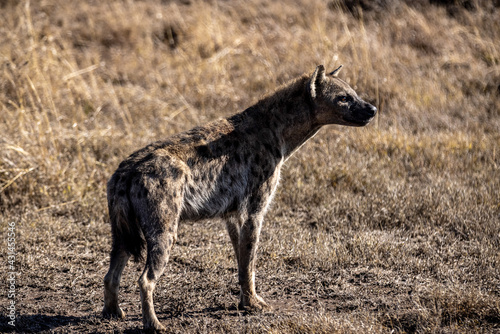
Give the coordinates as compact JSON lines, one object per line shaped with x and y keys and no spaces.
{"x":228,"y":169}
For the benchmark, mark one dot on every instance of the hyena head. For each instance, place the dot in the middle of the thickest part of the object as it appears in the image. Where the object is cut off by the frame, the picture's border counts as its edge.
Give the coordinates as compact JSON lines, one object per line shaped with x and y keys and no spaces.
{"x":336,"y":102}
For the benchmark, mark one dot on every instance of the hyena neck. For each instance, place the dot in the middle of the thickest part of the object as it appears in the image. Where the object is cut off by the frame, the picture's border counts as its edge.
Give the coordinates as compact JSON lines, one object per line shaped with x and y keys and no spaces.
{"x":286,"y":116}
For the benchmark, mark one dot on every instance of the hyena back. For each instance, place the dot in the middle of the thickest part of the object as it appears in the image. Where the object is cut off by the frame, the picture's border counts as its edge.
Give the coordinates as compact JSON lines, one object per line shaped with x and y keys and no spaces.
{"x":228,"y":169}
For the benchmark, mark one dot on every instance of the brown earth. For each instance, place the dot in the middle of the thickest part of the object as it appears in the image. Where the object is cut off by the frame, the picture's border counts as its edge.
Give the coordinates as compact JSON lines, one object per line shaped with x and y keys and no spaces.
{"x":390,"y":228}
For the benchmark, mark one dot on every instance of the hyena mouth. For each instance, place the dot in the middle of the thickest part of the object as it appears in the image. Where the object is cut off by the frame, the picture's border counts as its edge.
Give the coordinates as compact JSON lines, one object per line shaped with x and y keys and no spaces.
{"x":364,"y":115}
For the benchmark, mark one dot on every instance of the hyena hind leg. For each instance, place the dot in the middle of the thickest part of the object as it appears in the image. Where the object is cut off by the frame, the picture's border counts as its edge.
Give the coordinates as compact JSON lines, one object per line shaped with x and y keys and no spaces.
{"x":119,"y":258}
{"x":158,"y":246}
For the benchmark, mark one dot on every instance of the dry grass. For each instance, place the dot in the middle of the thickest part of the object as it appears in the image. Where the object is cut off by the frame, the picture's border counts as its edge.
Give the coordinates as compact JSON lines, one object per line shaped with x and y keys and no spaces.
{"x":393,"y":227}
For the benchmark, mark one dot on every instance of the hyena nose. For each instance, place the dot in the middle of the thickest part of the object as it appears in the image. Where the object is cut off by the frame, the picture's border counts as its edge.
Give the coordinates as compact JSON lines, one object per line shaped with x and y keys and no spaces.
{"x":371,"y":110}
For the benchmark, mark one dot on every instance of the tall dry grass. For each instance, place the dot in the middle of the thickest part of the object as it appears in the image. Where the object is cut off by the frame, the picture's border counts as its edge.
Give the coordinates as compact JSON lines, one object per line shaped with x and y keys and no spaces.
{"x":414,"y":195}
{"x":81,"y":88}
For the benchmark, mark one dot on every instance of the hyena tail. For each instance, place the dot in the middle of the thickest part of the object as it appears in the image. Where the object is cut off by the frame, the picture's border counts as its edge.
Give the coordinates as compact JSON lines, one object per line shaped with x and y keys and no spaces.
{"x":125,"y":227}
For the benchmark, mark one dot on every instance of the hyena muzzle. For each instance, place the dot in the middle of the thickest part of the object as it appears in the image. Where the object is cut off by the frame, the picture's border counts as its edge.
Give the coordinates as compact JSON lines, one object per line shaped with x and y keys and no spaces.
{"x":227,"y":169}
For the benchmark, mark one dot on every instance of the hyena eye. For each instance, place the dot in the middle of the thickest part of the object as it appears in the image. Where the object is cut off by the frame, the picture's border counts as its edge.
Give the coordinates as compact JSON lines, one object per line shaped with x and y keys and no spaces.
{"x":343,"y":99}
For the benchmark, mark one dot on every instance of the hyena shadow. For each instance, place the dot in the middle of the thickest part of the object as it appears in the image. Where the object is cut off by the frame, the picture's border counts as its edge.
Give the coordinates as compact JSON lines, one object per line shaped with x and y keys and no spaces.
{"x":37,"y":323}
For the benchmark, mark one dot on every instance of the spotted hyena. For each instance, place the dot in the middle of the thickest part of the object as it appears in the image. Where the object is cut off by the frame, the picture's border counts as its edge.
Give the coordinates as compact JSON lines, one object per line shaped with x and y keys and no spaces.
{"x":229,"y":169}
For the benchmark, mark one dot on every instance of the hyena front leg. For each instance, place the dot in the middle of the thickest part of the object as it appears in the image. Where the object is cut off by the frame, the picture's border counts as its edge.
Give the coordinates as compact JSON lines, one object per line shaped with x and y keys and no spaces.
{"x":233,"y":228}
{"x":118,"y":261}
{"x":247,"y":254}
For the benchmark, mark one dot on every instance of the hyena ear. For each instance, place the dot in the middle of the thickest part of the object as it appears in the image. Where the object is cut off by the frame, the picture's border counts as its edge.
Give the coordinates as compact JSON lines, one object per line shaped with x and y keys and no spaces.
{"x":335,"y":73}
{"x":316,"y":79}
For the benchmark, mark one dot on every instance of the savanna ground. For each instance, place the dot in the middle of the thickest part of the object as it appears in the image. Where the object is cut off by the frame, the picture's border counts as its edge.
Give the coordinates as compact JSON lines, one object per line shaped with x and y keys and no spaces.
{"x":390,"y":228}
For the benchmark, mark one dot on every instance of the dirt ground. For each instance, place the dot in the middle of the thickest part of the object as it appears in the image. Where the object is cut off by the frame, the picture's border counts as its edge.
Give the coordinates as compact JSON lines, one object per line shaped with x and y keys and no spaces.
{"x":391,"y":228}
{"x":349,"y":280}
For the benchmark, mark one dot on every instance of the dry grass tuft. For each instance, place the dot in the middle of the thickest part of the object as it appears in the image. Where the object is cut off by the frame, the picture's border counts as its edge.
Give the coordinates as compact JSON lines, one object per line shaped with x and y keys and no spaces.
{"x":394,"y":227}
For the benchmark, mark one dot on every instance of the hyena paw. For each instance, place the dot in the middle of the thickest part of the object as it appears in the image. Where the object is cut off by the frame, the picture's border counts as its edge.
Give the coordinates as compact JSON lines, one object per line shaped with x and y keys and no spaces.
{"x":113,"y":312}
{"x":154,"y":327}
{"x":254,"y":304}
